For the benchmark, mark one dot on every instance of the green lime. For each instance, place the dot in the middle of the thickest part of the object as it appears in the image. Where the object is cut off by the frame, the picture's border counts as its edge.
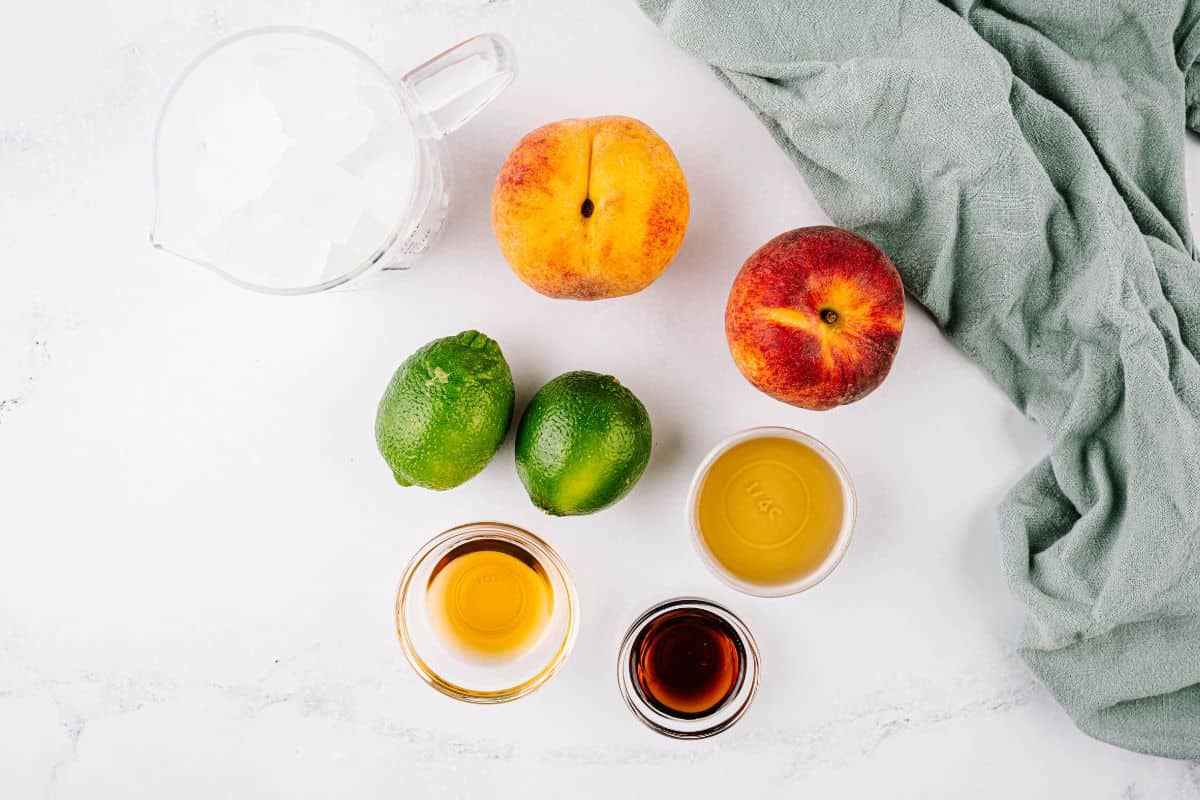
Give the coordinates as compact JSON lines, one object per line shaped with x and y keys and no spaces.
{"x":582,"y":443}
{"x":446,"y":411}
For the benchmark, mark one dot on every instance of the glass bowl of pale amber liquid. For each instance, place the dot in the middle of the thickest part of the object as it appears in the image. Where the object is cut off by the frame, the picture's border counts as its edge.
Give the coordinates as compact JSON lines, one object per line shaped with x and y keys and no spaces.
{"x":486,"y":612}
{"x":771,"y":511}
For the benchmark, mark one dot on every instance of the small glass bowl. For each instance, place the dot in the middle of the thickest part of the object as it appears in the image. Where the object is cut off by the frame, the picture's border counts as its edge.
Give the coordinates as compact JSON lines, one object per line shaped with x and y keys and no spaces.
{"x":849,"y":501}
{"x":729,"y":711}
{"x":446,"y":670}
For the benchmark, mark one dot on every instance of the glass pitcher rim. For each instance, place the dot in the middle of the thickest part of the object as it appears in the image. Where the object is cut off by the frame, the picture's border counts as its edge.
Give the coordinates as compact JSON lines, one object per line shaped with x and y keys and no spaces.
{"x":395,"y":86}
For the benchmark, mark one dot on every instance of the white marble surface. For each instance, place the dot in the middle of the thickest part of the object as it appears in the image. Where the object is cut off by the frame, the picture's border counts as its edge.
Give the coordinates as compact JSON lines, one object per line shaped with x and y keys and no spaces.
{"x":200,"y":544}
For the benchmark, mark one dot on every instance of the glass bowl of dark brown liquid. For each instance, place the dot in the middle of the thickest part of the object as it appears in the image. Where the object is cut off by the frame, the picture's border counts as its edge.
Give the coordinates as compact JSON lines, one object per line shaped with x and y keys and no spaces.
{"x":688,"y":668}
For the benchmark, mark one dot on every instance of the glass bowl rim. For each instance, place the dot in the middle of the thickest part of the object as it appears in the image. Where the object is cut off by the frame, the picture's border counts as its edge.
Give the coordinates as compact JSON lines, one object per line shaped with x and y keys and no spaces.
{"x":741,"y":699}
{"x":549,"y":559}
{"x":845,"y":533}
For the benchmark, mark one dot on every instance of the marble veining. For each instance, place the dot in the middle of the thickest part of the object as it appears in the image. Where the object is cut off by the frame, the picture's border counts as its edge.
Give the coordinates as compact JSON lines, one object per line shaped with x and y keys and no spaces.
{"x":200,"y":543}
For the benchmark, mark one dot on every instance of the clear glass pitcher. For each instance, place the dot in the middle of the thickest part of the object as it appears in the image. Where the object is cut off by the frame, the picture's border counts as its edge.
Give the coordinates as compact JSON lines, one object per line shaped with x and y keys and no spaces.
{"x":288,"y":161}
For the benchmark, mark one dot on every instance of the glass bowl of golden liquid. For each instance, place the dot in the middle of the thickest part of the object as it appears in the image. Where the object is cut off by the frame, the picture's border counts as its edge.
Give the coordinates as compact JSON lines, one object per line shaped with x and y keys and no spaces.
{"x":486,"y":612}
{"x":771,"y":511}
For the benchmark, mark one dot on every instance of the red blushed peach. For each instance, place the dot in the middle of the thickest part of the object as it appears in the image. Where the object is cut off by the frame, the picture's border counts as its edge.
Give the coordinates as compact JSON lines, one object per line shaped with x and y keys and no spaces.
{"x":815,"y":316}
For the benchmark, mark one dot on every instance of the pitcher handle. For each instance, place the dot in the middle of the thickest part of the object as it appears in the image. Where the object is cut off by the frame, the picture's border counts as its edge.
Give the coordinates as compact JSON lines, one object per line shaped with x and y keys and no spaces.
{"x":455,"y":85}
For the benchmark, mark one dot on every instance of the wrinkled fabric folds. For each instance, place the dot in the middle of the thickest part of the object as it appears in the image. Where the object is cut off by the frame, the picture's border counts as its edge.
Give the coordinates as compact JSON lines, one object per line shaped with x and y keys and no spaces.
{"x":1022,"y":164}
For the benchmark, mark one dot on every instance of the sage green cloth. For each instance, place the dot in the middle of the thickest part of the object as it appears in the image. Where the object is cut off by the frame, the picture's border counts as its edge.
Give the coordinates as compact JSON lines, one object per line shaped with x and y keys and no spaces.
{"x":1021,"y":161}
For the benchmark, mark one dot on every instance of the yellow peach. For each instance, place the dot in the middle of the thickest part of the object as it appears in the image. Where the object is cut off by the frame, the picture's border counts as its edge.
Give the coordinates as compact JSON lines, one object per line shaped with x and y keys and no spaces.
{"x":590,"y":208}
